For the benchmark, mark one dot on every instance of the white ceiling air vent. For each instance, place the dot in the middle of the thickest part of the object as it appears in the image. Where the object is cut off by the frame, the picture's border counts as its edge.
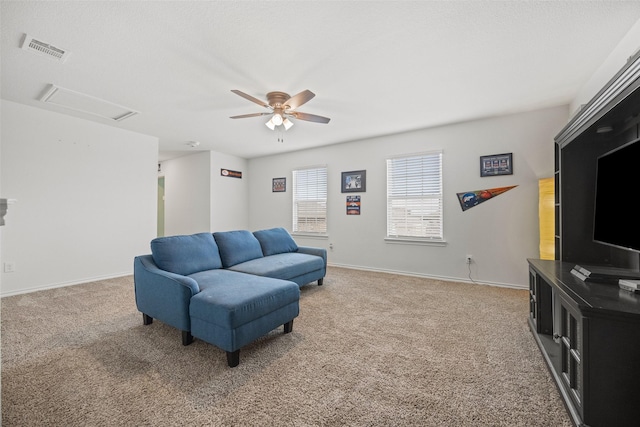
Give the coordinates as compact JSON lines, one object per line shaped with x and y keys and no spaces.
{"x":44,"y":49}
{"x":77,"y":101}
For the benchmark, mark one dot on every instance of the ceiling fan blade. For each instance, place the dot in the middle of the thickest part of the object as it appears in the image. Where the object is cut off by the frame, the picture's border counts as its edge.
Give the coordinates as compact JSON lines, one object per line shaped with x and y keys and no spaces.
{"x":310,"y":117}
{"x":243,"y":116}
{"x":250,"y":98}
{"x":297,"y":100}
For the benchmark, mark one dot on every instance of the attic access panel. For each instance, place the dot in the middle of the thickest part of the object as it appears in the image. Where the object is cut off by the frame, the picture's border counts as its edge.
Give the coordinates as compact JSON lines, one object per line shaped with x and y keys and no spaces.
{"x":77,"y":101}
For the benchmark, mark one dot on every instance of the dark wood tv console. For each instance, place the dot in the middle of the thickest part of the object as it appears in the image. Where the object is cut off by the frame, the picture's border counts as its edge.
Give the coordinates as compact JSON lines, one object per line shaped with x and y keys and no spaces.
{"x":589,"y":332}
{"x":589,"y":336}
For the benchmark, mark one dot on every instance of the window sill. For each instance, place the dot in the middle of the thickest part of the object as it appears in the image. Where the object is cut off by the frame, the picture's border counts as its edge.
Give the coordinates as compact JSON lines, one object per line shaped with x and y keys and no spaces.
{"x":311,"y":236}
{"x":414,"y":241}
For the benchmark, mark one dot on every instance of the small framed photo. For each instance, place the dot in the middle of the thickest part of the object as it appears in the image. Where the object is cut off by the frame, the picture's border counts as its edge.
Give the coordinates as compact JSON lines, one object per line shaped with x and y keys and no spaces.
{"x":496,"y":164}
{"x":279,"y":185}
{"x":353,"y":205}
{"x":354,"y":182}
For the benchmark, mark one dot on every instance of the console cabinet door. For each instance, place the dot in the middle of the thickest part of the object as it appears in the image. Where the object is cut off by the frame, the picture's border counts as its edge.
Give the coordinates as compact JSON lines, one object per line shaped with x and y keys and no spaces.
{"x":540,"y":303}
{"x":533,"y":303}
{"x":572,"y":330}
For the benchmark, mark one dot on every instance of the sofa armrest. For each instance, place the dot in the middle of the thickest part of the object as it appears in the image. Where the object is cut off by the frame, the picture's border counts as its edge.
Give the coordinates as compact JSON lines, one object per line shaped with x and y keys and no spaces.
{"x":310,"y":250}
{"x":161,"y":294}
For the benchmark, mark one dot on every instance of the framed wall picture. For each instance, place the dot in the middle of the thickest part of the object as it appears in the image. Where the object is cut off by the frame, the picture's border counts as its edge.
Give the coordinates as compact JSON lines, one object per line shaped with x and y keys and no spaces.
{"x":279,"y":185}
{"x":354,"y":182}
{"x":496,"y":164}
{"x":353,"y":205}
{"x":230,"y":174}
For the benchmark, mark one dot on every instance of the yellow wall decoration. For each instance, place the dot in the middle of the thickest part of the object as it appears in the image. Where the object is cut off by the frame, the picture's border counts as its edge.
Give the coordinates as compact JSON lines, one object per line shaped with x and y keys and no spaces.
{"x":546,"y":190}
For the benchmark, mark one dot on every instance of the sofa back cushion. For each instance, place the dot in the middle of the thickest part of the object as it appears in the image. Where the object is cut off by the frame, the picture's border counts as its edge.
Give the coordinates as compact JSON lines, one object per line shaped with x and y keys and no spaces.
{"x":275,"y":241}
{"x":186,"y":254}
{"x":237,"y":246}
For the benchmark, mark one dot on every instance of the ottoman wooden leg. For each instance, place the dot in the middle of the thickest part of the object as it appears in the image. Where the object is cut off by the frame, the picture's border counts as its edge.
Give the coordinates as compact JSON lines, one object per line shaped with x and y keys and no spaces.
{"x":233,"y":358}
{"x":288,"y":327}
{"x":146,"y":319}
{"x":187,"y":338}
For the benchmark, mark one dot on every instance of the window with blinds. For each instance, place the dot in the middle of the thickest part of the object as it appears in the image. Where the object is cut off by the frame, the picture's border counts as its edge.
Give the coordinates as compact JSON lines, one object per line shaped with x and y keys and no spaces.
{"x":414,"y":197}
{"x":310,"y":200}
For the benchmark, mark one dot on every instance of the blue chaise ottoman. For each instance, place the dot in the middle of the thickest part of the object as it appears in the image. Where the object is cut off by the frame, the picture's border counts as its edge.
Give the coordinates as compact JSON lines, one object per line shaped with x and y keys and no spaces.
{"x":234,"y":312}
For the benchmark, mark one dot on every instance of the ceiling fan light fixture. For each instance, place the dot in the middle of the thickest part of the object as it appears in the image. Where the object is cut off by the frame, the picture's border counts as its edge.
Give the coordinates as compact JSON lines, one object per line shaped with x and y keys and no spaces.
{"x":287,"y":123}
{"x":277,"y":119}
{"x":270,"y":124}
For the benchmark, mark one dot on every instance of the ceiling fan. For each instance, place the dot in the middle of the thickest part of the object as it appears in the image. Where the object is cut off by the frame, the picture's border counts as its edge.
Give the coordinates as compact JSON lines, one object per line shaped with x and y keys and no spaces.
{"x":282,"y":108}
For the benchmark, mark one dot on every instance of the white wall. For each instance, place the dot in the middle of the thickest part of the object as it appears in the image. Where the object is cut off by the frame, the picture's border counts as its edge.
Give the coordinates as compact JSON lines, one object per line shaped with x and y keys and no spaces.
{"x":229,"y":196}
{"x":614,"y":62}
{"x":199,"y":199}
{"x":3,"y":196}
{"x":86,"y":198}
{"x":500,"y":233}
{"x":187,"y":188}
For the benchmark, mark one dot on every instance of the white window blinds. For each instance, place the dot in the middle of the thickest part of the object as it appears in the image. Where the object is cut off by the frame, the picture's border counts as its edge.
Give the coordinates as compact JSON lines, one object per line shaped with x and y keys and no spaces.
{"x":414,"y":196}
{"x":310,"y":200}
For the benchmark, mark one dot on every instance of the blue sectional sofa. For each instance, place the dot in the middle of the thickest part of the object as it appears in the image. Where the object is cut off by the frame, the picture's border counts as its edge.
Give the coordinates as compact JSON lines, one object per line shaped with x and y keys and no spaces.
{"x":226,"y":288}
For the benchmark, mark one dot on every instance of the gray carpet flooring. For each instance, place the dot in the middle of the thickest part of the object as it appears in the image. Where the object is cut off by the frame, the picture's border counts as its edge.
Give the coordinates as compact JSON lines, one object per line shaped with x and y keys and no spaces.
{"x":368,"y":349}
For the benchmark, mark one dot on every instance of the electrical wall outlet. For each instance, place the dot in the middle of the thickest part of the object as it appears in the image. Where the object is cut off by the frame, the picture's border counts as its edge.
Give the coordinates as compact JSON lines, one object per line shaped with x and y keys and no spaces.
{"x":468,"y":259}
{"x":9,"y":267}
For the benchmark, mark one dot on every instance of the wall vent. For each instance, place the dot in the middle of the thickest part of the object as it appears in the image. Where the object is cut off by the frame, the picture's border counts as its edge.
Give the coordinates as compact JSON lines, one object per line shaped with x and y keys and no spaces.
{"x":77,"y":101}
{"x":44,"y":49}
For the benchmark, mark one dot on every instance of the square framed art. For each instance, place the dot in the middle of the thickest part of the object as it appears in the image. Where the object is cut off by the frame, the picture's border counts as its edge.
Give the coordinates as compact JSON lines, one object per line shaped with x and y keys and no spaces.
{"x":279,"y":185}
{"x":354,"y":181}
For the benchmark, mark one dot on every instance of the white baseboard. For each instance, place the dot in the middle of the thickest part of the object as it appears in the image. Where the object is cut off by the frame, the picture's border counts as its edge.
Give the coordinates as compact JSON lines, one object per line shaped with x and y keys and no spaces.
{"x":63,"y":284}
{"x":429,"y":276}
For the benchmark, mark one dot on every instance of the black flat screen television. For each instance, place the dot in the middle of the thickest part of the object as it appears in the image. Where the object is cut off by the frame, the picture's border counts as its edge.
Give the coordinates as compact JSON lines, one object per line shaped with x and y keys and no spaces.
{"x":616,"y":217}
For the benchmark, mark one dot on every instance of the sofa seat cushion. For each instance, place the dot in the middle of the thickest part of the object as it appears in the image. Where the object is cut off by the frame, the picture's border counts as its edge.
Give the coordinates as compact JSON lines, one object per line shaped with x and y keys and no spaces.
{"x":275,"y":241}
{"x":237,"y":246}
{"x":208,"y":278}
{"x":233,"y":303}
{"x":186,"y":254}
{"x":281,"y":266}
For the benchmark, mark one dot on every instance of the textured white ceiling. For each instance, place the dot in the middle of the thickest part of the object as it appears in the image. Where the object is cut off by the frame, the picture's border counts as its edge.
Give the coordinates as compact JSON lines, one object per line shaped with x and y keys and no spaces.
{"x":376,"y":68}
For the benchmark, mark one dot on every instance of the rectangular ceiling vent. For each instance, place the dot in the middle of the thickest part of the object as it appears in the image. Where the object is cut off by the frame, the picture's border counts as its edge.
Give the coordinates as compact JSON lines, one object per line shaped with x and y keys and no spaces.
{"x":77,"y":101}
{"x":44,"y":49}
